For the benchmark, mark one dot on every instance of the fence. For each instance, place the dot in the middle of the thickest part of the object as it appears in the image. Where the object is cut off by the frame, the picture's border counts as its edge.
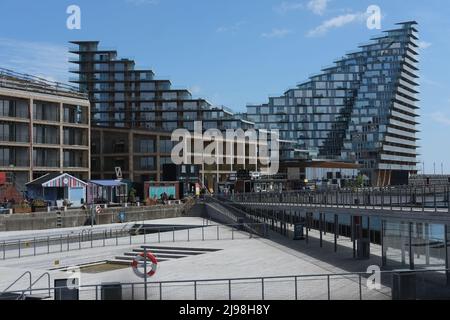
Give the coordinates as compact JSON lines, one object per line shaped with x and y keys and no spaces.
{"x":410,"y":198}
{"x":138,"y":234}
{"x":401,"y":285}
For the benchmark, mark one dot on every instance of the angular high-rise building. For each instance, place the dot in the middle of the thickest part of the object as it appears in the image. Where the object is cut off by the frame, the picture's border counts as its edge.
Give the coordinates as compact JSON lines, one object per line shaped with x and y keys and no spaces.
{"x":133,"y":115}
{"x":362,"y":109}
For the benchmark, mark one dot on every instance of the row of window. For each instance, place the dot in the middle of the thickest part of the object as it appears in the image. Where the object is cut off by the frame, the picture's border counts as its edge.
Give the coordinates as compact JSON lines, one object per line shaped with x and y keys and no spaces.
{"x":19,"y":132}
{"x":48,"y":158}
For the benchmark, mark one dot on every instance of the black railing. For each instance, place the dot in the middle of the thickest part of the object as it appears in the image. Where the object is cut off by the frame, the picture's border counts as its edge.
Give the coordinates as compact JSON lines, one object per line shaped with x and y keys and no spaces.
{"x":409,"y":198}
{"x":382,"y":285}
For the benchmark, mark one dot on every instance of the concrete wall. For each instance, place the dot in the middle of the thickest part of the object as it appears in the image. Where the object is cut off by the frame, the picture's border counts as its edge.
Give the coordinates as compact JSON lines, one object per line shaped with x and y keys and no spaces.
{"x":75,"y":218}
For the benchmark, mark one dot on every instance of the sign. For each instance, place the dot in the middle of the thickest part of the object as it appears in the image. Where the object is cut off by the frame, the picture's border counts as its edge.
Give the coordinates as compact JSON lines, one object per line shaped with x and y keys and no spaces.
{"x":255,"y":175}
{"x":118,"y":173}
{"x":157,"y":191}
{"x":298,"y":231}
{"x":137,"y":263}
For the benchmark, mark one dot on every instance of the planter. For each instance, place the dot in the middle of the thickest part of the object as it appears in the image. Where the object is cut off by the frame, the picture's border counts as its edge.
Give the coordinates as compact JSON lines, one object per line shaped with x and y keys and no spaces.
{"x":39,"y":209}
{"x":22,"y":210}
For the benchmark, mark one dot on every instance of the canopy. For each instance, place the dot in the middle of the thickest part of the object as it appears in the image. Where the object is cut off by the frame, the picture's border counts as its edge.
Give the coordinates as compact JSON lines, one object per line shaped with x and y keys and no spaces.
{"x":107,"y":183}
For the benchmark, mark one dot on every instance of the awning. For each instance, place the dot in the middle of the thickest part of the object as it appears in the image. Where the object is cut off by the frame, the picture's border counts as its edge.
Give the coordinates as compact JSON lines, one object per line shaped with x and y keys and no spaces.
{"x":108,"y":183}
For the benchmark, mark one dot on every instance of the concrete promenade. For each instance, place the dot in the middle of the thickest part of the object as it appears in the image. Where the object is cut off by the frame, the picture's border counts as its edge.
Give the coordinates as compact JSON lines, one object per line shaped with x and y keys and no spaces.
{"x":242,"y":257}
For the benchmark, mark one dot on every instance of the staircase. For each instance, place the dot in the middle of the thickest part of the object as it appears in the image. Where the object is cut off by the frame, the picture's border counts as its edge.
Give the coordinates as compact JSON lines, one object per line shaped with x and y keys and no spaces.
{"x":19,"y":296}
{"x":161,"y":253}
{"x":26,"y":294}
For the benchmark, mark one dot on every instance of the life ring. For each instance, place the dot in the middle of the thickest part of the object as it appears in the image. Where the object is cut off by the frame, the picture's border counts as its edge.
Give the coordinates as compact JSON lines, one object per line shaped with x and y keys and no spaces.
{"x":140,"y":257}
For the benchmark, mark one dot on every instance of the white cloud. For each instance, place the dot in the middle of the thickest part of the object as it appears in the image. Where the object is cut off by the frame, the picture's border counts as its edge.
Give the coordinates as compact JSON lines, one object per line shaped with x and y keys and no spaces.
{"x":234,"y":28}
{"x":142,"y":2}
{"x":424,"y":45}
{"x":276,"y":33}
{"x":318,"y":6}
{"x":45,"y":60}
{"x":289,"y":6}
{"x":337,"y":22}
{"x":441,"y":118}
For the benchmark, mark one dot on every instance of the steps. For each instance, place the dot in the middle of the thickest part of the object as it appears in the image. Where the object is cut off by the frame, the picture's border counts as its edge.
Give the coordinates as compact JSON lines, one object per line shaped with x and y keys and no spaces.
{"x":180,"y":248}
{"x":162,"y":254}
{"x":58,"y":220}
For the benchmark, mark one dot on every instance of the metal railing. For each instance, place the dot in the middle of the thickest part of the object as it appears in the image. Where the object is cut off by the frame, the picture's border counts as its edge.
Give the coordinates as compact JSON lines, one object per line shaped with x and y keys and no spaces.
{"x":399,"y":284}
{"x":26,"y":273}
{"x":140,"y":234}
{"x":409,"y":198}
{"x":14,"y":80}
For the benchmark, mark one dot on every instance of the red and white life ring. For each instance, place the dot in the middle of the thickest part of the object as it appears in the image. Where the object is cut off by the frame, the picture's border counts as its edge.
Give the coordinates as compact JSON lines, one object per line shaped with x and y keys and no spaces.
{"x":140,"y":257}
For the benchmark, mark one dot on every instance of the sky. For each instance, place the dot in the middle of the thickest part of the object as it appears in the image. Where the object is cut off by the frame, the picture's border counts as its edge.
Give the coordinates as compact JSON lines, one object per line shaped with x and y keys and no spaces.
{"x":234,"y":52}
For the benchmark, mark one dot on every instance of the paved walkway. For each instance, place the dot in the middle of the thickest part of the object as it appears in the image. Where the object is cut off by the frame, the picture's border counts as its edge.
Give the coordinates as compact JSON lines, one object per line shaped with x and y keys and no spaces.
{"x":242,"y":257}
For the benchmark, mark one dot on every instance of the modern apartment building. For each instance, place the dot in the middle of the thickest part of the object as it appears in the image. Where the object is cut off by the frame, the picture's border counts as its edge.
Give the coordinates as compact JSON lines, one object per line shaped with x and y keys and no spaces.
{"x":362,"y":109}
{"x":44,"y":127}
{"x":133,"y":115}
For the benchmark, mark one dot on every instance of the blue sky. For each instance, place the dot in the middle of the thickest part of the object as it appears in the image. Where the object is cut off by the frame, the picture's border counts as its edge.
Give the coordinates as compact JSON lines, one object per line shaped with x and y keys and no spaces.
{"x":234,"y":52}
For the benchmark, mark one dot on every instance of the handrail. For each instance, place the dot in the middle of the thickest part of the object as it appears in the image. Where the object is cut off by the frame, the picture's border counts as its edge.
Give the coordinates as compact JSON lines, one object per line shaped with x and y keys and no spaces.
{"x":343,"y":274}
{"x":88,"y":232}
{"x":61,"y":238}
{"x":49,"y":281}
{"x":18,"y":279}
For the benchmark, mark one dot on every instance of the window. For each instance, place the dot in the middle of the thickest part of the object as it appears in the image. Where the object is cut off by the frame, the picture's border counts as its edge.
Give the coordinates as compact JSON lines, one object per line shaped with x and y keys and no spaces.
{"x":45,"y":134}
{"x":48,"y":111}
{"x":145,"y":163}
{"x":13,"y":108}
{"x":148,"y":86}
{"x":18,"y":157}
{"x":144,"y":145}
{"x":163,"y":161}
{"x":75,"y":136}
{"x":74,"y":159}
{"x":75,"y":114}
{"x":165,"y":145}
{"x":46,"y":157}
